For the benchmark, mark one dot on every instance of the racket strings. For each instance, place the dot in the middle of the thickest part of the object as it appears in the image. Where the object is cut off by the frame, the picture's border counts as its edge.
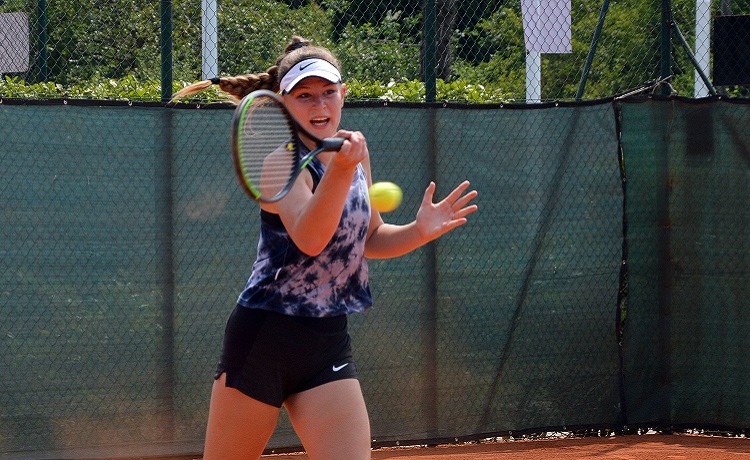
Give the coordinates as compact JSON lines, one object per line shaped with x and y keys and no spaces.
{"x":267,"y":149}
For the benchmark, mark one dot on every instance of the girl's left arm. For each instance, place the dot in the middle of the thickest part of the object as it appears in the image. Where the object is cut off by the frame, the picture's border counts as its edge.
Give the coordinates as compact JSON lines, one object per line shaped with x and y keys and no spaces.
{"x":433,"y":220}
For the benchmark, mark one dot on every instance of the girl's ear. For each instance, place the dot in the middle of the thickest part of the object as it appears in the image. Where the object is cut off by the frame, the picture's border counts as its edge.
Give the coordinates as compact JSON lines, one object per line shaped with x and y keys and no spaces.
{"x":343,"y":93}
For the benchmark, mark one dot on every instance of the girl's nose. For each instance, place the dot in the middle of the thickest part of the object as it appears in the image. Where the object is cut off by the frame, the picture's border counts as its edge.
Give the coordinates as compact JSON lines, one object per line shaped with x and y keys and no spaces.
{"x":319,"y":101}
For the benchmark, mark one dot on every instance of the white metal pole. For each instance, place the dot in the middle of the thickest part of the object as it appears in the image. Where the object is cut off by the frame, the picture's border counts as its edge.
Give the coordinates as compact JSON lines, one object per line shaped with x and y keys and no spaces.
{"x":209,"y":39}
{"x":533,"y":77}
{"x":534,"y":60}
{"x":702,"y":45}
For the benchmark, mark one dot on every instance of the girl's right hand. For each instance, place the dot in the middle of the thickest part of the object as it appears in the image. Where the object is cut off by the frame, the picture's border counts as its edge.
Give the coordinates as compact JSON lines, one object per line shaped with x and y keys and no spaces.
{"x":354,"y":150}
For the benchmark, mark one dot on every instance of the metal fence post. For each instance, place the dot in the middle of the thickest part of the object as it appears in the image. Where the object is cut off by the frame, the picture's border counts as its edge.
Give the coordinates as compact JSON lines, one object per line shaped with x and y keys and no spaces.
{"x":430,"y":60}
{"x":42,"y":37}
{"x":666,"y":47}
{"x":592,"y":49}
{"x":166,"y":50}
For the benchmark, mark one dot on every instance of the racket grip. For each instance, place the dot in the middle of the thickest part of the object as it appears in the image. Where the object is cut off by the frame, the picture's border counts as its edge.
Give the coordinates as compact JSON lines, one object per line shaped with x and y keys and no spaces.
{"x":331,"y":144}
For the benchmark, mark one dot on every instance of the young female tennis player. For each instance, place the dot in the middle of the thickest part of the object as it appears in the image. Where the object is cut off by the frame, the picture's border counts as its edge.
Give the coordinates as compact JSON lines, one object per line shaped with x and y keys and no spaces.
{"x":286,"y":342}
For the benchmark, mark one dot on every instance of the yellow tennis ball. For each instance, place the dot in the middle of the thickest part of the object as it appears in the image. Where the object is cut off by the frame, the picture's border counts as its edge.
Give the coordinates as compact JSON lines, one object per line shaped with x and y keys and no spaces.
{"x":385,"y":196}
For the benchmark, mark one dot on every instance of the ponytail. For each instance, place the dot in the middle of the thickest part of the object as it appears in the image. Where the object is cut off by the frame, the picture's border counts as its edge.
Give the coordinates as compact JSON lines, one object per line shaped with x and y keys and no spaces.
{"x":240,"y":86}
{"x":236,"y":87}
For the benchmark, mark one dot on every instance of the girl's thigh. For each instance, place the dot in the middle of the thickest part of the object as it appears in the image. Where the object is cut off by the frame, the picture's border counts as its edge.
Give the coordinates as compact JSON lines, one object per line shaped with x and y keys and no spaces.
{"x":331,"y":421}
{"x":239,"y":426}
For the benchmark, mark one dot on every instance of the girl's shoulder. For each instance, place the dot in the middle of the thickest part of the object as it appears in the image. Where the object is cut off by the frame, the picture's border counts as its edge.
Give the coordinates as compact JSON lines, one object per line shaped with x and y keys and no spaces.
{"x":316,"y":169}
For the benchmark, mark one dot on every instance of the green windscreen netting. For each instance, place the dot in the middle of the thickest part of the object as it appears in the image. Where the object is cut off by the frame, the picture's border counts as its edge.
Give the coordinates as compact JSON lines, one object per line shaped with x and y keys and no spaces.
{"x":688,"y":218}
{"x":125,"y":239}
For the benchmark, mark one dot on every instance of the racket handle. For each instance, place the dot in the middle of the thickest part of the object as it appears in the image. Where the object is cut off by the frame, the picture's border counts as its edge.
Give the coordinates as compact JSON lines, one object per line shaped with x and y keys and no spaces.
{"x":331,"y":144}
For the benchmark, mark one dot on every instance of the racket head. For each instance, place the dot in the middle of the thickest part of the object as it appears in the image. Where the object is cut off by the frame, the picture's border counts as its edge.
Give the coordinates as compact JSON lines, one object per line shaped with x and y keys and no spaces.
{"x":265,"y":146}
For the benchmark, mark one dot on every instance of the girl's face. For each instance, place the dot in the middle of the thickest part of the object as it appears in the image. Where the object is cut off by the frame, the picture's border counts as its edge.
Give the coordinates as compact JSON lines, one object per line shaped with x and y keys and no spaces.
{"x":316,"y":104}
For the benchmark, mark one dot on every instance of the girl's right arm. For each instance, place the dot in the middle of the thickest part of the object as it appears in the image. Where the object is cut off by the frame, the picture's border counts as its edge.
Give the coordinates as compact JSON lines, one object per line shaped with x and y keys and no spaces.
{"x":312,"y":218}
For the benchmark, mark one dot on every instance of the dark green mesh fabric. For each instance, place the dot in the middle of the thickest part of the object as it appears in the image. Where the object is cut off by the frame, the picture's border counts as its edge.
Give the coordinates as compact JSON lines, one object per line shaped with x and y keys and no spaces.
{"x":688,"y":214}
{"x":125,"y":239}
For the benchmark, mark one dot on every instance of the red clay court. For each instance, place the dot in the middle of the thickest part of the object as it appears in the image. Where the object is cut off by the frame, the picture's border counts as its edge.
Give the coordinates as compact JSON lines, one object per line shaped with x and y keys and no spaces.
{"x":630,"y":447}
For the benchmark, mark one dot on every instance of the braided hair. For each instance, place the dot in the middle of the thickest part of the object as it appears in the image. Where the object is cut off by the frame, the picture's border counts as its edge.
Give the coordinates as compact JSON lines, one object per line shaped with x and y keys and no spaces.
{"x":238,"y":87}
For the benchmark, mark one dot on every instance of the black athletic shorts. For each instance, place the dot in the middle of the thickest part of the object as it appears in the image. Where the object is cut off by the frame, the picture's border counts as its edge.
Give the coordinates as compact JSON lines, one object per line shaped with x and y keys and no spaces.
{"x":269,"y":356}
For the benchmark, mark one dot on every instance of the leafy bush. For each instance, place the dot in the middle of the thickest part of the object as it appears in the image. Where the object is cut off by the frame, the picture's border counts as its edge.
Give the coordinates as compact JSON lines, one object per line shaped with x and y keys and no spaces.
{"x":111,"y":51}
{"x":389,"y":50}
{"x":111,"y":48}
{"x":124,"y":89}
{"x":109,"y":39}
{"x":500,"y":38}
{"x":131,"y":89}
{"x":252,"y":34}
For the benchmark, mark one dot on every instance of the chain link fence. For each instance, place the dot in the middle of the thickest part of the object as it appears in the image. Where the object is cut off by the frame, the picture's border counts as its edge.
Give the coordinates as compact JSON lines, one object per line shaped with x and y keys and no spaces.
{"x":526,"y":50}
{"x":124,"y":236}
{"x":125,"y":239}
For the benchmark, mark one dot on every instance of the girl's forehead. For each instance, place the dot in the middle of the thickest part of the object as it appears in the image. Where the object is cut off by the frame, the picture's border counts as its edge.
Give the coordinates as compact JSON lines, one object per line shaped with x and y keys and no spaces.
{"x":313,"y":82}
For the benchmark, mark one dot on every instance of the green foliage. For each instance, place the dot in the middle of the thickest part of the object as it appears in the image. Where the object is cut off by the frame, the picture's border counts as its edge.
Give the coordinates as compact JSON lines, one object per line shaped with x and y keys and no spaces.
{"x":498,"y":53}
{"x":131,"y":89}
{"x":112,"y":38}
{"x":120,"y":59}
{"x":14,"y":87}
{"x":111,"y":49}
{"x":632,"y":23}
{"x":495,"y":51}
{"x":384,"y":51}
{"x":465,"y":91}
{"x":124,"y":89}
{"x":414,"y":91}
{"x":253,"y":34}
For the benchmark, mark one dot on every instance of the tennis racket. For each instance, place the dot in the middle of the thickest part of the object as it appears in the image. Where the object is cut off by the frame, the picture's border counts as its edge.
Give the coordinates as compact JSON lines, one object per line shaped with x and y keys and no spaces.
{"x":266,"y":146}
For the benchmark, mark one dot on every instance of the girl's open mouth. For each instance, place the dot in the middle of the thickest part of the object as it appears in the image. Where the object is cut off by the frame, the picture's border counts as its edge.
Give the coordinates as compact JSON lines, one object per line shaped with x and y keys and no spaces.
{"x":319,"y":122}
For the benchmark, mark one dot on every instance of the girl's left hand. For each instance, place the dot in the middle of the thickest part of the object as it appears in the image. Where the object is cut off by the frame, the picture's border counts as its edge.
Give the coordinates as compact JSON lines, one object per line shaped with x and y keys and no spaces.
{"x":437,"y":219}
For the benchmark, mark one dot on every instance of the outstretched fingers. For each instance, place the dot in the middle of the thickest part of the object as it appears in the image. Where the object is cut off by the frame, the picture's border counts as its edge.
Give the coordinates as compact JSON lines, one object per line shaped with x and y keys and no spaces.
{"x":461,"y":207}
{"x":436,"y":219}
{"x":459,"y":201}
{"x":429,"y":194}
{"x":457,"y":192}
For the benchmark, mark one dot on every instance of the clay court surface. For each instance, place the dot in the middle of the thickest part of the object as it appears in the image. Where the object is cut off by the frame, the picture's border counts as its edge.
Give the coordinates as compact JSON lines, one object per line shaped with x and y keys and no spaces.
{"x":647,"y":447}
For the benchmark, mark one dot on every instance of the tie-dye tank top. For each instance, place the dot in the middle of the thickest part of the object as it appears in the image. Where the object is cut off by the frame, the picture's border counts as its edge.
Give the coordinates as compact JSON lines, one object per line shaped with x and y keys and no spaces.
{"x":333,"y":283}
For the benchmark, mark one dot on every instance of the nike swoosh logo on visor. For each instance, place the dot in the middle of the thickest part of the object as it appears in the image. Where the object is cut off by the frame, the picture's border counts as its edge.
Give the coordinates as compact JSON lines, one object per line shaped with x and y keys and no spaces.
{"x":301,"y":68}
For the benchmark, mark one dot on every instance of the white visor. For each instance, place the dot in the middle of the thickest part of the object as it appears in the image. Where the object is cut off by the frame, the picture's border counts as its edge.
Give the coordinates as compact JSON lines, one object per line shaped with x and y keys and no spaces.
{"x":309,"y":68}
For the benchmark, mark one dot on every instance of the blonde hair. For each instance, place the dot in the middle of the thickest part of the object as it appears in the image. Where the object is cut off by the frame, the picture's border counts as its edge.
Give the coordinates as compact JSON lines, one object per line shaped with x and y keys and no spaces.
{"x":238,"y":87}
